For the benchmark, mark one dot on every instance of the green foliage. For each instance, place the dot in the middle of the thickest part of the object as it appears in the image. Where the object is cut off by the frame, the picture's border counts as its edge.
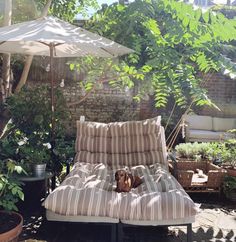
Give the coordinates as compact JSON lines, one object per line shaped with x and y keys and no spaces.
{"x":100,"y":71}
{"x":227,"y":152}
{"x":10,"y":189}
{"x":31,"y":154}
{"x":196,"y":151}
{"x":31,"y":125}
{"x":22,"y":10}
{"x":25,"y":10}
{"x":9,"y":146}
{"x":31,"y":112}
{"x":67,"y":10}
{"x":229,"y":185}
{"x":224,"y":152}
{"x":172,"y":43}
{"x":65,"y":149}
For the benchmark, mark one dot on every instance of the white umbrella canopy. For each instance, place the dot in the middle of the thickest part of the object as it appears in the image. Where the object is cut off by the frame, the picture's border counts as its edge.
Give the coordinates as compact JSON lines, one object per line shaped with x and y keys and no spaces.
{"x":35,"y":37}
{"x":50,"y":36}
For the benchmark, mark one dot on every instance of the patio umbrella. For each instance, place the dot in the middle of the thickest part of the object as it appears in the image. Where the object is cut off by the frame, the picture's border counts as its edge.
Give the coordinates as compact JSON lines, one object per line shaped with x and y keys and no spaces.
{"x":50,"y":36}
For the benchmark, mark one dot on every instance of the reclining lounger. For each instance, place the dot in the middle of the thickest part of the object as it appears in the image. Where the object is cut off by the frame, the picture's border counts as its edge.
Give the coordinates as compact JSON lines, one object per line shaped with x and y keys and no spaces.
{"x":88,"y":192}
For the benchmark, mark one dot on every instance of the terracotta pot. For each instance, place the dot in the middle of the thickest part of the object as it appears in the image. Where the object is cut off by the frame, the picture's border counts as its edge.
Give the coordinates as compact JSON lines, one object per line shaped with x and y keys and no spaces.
{"x":12,"y":235}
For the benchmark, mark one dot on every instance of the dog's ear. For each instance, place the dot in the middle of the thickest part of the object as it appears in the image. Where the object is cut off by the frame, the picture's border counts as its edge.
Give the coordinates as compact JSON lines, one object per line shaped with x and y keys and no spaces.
{"x":126,"y":178}
{"x":117,"y":176}
{"x":137,"y":181}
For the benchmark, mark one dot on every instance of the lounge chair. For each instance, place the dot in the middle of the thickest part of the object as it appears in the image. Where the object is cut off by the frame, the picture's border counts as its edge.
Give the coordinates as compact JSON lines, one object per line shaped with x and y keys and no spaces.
{"x":88,"y":192}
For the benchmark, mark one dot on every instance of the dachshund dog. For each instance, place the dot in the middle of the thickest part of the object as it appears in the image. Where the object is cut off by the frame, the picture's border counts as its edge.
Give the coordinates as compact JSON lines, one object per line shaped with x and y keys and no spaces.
{"x":126,"y":181}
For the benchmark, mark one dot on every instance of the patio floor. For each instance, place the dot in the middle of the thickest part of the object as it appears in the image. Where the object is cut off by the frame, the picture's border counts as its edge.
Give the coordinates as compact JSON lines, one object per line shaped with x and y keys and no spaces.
{"x":216,"y":222}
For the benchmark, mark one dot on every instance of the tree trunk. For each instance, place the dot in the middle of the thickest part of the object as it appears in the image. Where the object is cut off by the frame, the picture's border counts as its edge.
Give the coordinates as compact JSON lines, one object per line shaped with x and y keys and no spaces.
{"x":29,"y":59}
{"x":6,"y":67}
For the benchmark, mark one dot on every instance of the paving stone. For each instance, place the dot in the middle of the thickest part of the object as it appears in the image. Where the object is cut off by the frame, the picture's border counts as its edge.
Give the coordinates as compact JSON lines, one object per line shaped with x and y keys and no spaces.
{"x":214,"y":223}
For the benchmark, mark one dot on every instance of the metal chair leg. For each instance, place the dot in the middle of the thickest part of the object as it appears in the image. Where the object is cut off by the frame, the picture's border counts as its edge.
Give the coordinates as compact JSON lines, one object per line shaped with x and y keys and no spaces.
{"x":113,"y":232}
{"x":120,"y":232}
{"x":189,"y":232}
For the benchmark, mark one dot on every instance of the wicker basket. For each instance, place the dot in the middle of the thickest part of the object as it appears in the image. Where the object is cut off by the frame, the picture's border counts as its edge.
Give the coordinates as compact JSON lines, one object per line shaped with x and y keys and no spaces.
{"x":186,"y":169}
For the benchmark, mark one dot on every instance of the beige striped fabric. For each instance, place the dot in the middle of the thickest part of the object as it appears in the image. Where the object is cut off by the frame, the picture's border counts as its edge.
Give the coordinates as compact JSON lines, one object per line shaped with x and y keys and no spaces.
{"x":91,"y":142}
{"x":135,"y":143}
{"x":89,"y":190}
{"x":130,"y":128}
{"x":91,"y":136}
{"x":121,"y":143}
{"x":104,"y":148}
{"x":136,"y":158}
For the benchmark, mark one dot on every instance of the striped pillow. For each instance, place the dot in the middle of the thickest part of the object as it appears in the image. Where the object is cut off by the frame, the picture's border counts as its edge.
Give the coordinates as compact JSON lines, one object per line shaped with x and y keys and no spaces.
{"x":121,"y":143}
{"x":92,"y":157}
{"x":135,"y":143}
{"x":91,"y":136}
{"x":148,"y":126}
{"x":136,"y":158}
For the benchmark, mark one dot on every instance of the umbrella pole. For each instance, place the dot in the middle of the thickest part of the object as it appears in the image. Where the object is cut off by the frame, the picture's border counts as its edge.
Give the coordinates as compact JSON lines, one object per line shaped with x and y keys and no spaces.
{"x":51,"y":46}
{"x":52,"y":97}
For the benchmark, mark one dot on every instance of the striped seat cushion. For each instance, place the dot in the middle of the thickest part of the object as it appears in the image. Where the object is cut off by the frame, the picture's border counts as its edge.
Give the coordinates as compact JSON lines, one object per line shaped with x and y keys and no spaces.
{"x":89,"y":190}
{"x":134,"y":143}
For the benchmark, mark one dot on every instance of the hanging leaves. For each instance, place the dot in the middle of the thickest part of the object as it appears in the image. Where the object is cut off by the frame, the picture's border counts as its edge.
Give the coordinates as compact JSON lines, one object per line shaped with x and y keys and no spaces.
{"x":172,"y":43}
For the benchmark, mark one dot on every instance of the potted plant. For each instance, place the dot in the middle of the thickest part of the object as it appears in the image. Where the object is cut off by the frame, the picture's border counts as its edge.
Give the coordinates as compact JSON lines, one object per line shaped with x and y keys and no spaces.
{"x":190,"y":156}
{"x":228,"y":156}
{"x":40,"y":159}
{"x":192,"y":151}
{"x":229,"y":187}
{"x":10,"y":193}
{"x":30,"y":111}
{"x":35,"y":158}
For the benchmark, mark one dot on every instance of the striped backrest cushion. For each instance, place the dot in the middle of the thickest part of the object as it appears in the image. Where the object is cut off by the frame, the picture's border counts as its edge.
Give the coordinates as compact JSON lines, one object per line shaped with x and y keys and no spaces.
{"x":134,"y":128}
{"x":121,"y":143}
{"x":137,"y":142}
{"x":91,"y":136}
{"x":91,"y":142}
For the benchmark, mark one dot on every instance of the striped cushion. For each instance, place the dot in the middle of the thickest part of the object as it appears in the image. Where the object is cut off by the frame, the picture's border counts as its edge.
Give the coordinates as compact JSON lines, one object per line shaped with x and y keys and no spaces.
{"x":91,"y":136}
{"x":134,"y":143}
{"x":121,"y":143}
{"x":92,"y":144}
{"x":148,"y":126}
{"x":137,"y":158}
{"x":89,"y":190}
{"x":92,"y":157}
{"x":92,"y":129}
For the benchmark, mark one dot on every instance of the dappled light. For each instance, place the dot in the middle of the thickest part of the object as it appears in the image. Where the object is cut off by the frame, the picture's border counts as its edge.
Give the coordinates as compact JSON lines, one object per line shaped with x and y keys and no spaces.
{"x":34,"y":38}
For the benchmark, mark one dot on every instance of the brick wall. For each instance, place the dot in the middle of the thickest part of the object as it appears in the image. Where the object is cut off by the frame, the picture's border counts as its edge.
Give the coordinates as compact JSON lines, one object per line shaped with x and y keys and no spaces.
{"x":104,"y":105}
{"x":107,"y":104}
{"x":222,"y":91}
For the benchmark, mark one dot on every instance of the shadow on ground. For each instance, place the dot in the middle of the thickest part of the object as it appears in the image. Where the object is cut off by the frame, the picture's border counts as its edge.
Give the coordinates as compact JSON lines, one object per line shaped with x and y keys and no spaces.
{"x":37,"y":227}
